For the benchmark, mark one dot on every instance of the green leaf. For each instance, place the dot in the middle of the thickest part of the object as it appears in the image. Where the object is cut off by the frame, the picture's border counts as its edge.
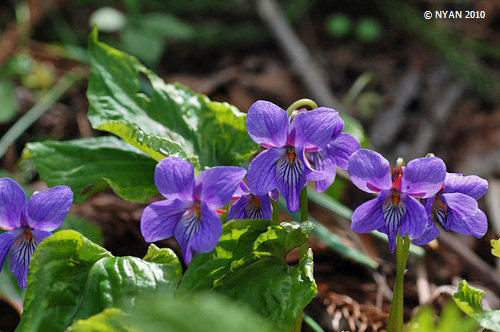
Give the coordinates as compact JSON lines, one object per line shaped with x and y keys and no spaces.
{"x":247,"y":251}
{"x":450,"y":320}
{"x":468,"y":298}
{"x":109,"y":320}
{"x":200,"y":313}
{"x":172,"y":121}
{"x":92,"y":164}
{"x":87,"y":228}
{"x":147,"y":35}
{"x":488,"y":319}
{"x":9,"y":103}
{"x":495,"y":250}
{"x":72,"y":278}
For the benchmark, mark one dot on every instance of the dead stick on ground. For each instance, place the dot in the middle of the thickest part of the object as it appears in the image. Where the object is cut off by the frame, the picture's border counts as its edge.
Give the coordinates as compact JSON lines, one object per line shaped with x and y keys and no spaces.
{"x":300,"y":58}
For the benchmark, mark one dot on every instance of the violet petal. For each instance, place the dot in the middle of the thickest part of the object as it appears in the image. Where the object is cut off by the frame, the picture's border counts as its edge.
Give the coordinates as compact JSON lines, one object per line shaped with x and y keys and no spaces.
{"x":159,"y":219}
{"x":209,"y":231}
{"x":313,"y":129}
{"x":262,"y":171}
{"x":369,"y":171}
{"x":368,"y":216}
{"x":464,"y":216}
{"x":423,"y":177}
{"x":237,"y":210}
{"x":267,"y":124}
{"x":471,"y":185}
{"x":215,"y":186}
{"x":6,"y":241}
{"x":341,"y":149}
{"x":291,"y":179}
{"x":47,"y":209}
{"x":414,"y":221}
{"x":12,"y":203}
{"x":174,"y":178}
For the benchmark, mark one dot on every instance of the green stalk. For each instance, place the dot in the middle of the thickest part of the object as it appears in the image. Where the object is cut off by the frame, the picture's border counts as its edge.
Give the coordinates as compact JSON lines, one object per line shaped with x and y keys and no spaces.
{"x":300,"y":104}
{"x":276,"y":212}
{"x":400,"y":275}
{"x":297,"y":325}
{"x":396,"y":312}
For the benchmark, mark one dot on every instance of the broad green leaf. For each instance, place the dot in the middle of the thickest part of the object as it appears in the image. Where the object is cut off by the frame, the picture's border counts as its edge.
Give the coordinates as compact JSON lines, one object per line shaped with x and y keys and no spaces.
{"x":450,"y":320}
{"x":109,"y":320}
{"x":495,"y":250}
{"x":89,"y":165}
{"x":172,"y":121}
{"x":85,"y":227}
{"x":249,"y":266}
{"x":9,"y":106}
{"x":468,"y":298}
{"x":199,"y":313}
{"x":72,"y":278}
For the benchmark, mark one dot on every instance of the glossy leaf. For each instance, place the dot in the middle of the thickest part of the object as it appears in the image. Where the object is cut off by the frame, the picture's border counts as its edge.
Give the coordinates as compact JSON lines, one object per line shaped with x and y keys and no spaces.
{"x":249,"y":266}
{"x":72,"y":278}
{"x":170,"y":121}
{"x":468,"y":298}
{"x":92,"y":164}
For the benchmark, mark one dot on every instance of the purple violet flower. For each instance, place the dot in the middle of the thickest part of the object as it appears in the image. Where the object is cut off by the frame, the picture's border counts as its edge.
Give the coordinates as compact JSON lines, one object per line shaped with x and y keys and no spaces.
{"x":335,"y":154}
{"x":455,"y":208}
{"x":250,"y":206}
{"x":190,"y":211}
{"x":28,"y":222}
{"x":396,"y":210}
{"x":284,"y":164}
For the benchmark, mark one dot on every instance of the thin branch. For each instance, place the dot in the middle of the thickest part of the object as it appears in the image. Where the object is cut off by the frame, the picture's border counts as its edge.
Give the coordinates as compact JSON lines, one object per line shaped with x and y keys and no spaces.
{"x":299,"y":56}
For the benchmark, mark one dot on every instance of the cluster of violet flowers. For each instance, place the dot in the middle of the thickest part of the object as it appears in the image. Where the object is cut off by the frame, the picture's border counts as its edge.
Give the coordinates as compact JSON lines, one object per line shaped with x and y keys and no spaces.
{"x":307,"y":146}
{"x":300,"y":147}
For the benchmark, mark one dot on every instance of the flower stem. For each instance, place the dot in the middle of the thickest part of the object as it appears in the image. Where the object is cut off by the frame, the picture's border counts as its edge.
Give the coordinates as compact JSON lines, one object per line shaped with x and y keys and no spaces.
{"x":304,"y":214}
{"x":300,"y":104}
{"x":397,"y":305}
{"x":276,"y":212}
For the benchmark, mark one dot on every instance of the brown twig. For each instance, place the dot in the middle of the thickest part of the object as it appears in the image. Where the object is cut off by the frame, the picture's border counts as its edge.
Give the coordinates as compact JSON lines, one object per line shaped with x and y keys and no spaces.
{"x":299,"y":56}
